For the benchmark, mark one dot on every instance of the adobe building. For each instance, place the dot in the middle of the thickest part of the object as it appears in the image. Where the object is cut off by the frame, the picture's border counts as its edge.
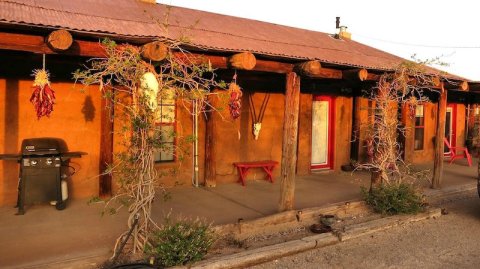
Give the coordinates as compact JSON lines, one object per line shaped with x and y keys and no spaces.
{"x":310,"y":83}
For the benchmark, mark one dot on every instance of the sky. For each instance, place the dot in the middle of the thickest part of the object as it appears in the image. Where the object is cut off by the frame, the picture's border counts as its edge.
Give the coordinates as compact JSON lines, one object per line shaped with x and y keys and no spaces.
{"x":425,"y":28}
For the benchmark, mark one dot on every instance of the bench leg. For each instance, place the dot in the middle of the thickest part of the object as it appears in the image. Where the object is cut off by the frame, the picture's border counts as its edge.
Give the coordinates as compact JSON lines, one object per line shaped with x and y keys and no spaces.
{"x":469,"y":158}
{"x":269,"y":171}
{"x":242,"y":173}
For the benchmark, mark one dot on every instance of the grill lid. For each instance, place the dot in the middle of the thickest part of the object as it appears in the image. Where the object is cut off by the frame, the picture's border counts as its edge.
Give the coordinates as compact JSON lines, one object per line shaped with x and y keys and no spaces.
{"x":47,"y":146}
{"x":43,"y":146}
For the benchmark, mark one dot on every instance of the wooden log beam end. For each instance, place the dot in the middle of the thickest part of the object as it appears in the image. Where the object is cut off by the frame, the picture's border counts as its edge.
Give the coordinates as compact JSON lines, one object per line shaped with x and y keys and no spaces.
{"x":309,"y":68}
{"x":59,"y":40}
{"x":436,"y":82}
{"x":243,"y":60}
{"x":363,"y":74}
{"x":355,"y":74}
{"x":155,"y":51}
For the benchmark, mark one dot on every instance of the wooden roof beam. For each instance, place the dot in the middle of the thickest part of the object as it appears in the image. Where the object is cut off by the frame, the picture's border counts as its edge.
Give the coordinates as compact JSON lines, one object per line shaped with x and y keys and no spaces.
{"x":372,"y":77}
{"x":461,"y":86}
{"x":355,"y":74}
{"x":474,"y":86}
{"x":314,"y":69}
{"x":40,"y":44}
{"x":222,"y":62}
{"x":37,"y":44}
{"x":308,"y":68}
{"x":328,"y":73}
{"x":435,"y":80}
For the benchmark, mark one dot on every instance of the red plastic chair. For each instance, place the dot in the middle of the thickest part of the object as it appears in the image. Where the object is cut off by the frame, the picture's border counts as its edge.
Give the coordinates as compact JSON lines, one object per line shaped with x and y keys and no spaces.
{"x":453,"y":152}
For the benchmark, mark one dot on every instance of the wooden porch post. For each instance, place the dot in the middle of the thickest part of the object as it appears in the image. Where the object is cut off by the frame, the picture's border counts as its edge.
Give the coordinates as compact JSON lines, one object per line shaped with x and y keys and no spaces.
{"x":439,"y":136}
{"x":106,"y":146}
{"x":355,"y":143}
{"x":289,"y":145}
{"x":210,"y":165}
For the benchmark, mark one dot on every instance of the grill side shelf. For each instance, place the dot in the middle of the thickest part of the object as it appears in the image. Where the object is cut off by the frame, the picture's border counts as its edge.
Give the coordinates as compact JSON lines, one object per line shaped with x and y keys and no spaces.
{"x":73,"y":154}
{"x":10,"y":157}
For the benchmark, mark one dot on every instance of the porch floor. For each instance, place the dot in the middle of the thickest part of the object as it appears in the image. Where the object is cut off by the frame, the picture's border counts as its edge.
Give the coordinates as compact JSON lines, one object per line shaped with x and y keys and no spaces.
{"x":44,"y":235}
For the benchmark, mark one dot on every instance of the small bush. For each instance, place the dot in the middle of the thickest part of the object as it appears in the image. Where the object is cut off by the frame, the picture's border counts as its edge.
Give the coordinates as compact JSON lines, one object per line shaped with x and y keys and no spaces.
{"x":180,"y":242}
{"x":394,"y":199}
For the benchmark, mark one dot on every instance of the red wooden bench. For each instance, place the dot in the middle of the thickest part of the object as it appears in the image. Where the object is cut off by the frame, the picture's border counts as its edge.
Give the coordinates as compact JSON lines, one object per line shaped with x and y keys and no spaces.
{"x":243,"y":168}
{"x":453,"y":152}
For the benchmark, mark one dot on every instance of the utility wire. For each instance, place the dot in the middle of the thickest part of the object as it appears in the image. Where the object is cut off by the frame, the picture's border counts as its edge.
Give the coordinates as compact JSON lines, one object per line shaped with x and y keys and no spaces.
{"x":419,"y":45}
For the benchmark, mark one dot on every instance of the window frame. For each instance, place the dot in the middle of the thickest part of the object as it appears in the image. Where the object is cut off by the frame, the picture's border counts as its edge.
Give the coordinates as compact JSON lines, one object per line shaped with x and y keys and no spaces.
{"x":172,"y":123}
{"x":419,"y":127}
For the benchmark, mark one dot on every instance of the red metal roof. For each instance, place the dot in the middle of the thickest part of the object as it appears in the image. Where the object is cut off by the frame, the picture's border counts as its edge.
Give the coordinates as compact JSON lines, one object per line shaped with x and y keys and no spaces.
{"x":136,"y":19}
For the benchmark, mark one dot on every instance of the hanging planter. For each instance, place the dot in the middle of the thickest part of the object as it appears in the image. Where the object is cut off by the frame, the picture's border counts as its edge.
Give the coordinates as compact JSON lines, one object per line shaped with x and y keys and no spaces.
{"x":43,"y":96}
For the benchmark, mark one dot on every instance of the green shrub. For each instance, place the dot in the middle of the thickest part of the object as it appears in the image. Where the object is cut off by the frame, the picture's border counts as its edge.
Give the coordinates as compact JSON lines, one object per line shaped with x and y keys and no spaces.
{"x":391,"y":199}
{"x":180,"y":242}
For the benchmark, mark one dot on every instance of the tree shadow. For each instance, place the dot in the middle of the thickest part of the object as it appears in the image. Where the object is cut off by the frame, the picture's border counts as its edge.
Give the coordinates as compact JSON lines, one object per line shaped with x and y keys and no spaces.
{"x":88,"y":109}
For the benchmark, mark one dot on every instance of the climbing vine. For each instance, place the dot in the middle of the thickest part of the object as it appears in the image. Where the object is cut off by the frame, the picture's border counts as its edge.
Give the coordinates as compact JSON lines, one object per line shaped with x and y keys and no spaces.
{"x":405,"y":87}
{"x":134,"y":88}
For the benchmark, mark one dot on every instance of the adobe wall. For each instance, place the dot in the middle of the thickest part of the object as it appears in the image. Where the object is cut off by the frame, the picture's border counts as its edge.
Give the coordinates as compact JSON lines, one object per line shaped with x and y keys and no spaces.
{"x":234,"y":139}
{"x":304,"y":135}
{"x":76,"y":119}
{"x":363,"y":121}
{"x":343,"y":131}
{"x":410,"y":155}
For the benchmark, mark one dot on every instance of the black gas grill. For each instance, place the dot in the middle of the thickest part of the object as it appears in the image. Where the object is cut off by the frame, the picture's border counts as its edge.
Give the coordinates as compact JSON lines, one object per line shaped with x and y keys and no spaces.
{"x":44,"y":164}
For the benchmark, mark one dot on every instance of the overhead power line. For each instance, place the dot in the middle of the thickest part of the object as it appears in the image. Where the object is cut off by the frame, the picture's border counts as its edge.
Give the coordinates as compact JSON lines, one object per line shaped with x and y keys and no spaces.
{"x":420,"y":45}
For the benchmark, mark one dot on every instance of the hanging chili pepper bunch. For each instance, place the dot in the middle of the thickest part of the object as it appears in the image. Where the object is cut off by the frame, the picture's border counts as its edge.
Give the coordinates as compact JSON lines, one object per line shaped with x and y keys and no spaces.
{"x":43,"y":96}
{"x":235,"y":102}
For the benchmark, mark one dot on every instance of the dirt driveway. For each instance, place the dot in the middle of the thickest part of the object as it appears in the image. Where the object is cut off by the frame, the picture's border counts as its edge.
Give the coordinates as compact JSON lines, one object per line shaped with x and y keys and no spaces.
{"x":451,"y":241}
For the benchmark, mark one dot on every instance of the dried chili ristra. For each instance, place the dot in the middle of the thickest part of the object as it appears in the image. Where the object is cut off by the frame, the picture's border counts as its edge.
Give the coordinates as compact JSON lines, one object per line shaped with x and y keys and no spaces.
{"x":43,"y":96}
{"x":235,"y":102}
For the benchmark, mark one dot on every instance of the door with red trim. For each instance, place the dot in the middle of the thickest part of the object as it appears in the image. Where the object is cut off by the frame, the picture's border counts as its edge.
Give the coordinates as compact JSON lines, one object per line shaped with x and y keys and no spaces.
{"x":323,"y":108}
{"x":451,"y":126}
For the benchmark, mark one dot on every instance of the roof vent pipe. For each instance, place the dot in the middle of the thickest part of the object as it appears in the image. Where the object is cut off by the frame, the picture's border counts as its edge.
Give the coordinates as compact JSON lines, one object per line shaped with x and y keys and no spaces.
{"x":342,"y":32}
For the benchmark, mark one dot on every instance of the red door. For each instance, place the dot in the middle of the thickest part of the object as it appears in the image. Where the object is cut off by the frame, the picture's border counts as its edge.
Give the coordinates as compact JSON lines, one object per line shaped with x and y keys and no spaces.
{"x":323,"y":110}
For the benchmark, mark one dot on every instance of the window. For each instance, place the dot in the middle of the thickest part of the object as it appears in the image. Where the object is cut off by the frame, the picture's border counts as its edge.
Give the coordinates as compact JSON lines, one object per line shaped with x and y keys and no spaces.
{"x":419,"y":128}
{"x":166,"y":122}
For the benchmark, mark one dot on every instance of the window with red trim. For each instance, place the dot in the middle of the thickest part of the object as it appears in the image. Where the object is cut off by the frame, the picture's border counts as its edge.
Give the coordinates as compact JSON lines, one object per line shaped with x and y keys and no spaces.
{"x":166,"y":119}
{"x":419,"y":137}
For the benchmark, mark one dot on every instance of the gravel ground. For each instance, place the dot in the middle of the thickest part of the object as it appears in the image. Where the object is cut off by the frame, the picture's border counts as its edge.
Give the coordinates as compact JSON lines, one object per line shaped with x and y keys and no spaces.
{"x":451,"y":241}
